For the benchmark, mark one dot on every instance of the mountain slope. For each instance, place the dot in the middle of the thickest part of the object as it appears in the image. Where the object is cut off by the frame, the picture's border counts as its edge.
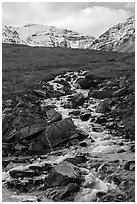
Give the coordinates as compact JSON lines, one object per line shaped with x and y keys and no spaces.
{"x":120,"y":38}
{"x":46,"y":36}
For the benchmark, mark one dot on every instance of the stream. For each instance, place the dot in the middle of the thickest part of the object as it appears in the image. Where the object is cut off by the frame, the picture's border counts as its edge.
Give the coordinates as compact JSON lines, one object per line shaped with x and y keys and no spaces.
{"x":101,"y":147}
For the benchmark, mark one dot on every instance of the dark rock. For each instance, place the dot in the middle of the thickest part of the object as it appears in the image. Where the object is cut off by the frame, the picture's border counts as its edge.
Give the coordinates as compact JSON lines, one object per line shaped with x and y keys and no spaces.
{"x":59,"y":132}
{"x":62,"y":174}
{"x":53,"y":116}
{"x":22,"y":172}
{"x":87,"y":83}
{"x":60,"y":193}
{"x":84,"y":116}
{"x":41,"y":166}
{"x":120,"y":92}
{"x":77,"y":159}
{"x":78,"y":99}
{"x":31,"y":131}
{"x":100,"y":120}
{"x":75,"y":112}
{"x":83,"y":144}
{"x":100,"y":94}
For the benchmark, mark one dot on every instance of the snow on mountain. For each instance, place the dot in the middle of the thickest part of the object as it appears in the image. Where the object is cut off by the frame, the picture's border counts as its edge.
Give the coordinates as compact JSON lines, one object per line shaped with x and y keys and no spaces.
{"x":120,"y":38}
{"x":46,"y":36}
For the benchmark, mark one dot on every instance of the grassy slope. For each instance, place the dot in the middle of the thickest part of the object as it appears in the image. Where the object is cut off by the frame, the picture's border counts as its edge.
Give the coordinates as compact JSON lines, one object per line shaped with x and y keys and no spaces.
{"x":23,"y":67}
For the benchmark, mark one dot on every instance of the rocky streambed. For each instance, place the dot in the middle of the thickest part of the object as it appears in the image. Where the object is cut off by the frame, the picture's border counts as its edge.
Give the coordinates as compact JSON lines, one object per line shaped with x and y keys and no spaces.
{"x":66,"y":142}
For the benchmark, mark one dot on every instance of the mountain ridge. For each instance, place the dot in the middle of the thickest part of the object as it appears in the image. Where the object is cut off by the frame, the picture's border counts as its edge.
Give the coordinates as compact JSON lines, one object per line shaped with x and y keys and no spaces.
{"x":120,"y":38}
{"x":122,"y":35}
{"x":46,"y":36}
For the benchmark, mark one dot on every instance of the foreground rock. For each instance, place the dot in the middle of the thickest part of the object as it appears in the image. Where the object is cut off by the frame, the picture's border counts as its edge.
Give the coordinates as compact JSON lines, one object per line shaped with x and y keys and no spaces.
{"x":59,"y":132}
{"x":62,"y":174}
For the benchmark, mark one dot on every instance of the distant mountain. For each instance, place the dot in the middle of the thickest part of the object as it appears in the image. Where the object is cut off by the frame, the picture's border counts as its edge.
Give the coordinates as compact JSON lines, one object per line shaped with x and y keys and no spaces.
{"x":119,"y":38}
{"x":46,"y":36}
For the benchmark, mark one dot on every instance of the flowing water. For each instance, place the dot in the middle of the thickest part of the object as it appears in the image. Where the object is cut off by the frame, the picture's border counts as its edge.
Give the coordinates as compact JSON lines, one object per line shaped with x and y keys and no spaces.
{"x":104,"y":147}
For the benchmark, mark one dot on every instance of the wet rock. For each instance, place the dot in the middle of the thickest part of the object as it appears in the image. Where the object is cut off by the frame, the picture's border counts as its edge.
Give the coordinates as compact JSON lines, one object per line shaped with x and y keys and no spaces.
{"x":100,"y":120}
{"x":75,"y":112}
{"x":120,"y":92}
{"x":77,"y":159}
{"x":83,"y":144}
{"x":100,"y":94}
{"x":41,"y":166}
{"x":85,"y":115}
{"x":53,"y":116}
{"x":61,"y":193}
{"x":78,"y":99}
{"x":62,"y":174}
{"x":59,"y":132}
{"x":22,"y":172}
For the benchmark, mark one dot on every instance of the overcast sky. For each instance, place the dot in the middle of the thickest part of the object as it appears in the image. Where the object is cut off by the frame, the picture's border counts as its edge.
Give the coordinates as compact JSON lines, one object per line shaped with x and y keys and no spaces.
{"x":87,"y":18}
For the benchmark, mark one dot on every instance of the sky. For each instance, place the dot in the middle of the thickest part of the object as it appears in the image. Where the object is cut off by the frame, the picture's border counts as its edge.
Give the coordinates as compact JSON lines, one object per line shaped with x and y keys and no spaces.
{"x":89,"y":18}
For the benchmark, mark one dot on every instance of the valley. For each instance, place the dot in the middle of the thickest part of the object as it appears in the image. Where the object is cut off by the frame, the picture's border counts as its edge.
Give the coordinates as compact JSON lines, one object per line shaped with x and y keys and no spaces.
{"x":68,"y":125}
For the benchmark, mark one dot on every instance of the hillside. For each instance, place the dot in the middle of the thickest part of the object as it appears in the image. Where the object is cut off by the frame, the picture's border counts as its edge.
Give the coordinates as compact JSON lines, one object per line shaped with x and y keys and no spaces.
{"x":120,"y":38}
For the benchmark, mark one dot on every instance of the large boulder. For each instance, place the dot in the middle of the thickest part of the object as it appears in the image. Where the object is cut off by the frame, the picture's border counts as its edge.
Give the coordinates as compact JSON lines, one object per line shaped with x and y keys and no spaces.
{"x":62,"y":174}
{"x":78,"y":99}
{"x":59,"y":132}
{"x":86,"y":84}
{"x":53,"y":115}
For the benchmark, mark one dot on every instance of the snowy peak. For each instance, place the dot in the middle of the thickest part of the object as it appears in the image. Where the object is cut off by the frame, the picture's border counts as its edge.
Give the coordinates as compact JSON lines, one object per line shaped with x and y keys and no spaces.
{"x":46,"y":36}
{"x":121,"y":37}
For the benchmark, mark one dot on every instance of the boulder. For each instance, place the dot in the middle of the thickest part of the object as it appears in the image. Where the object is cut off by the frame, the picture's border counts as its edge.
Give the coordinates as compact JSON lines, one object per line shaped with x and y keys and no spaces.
{"x":59,"y":132}
{"x":86,"y":84}
{"x":25,"y":132}
{"x":53,"y":115}
{"x":61,"y":193}
{"x":62,"y":174}
{"x":78,"y":99}
{"x":100,"y":94}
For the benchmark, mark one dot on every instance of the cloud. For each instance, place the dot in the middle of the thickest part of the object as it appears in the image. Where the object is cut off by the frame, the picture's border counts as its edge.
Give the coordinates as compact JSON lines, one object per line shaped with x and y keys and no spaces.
{"x":93,"y":21}
{"x":86,"y":17}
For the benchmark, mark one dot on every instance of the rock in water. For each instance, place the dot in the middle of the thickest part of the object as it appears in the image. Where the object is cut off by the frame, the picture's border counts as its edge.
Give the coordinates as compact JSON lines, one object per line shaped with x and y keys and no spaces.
{"x":62,"y":174}
{"x":78,"y":99}
{"x":53,"y":115}
{"x":59,"y":132}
